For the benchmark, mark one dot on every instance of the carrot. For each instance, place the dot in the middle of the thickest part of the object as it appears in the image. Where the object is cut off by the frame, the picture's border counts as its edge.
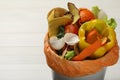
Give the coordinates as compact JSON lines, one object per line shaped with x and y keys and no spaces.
{"x":91,"y":33}
{"x":104,"y":40}
{"x":85,"y":15}
{"x":92,"y":36}
{"x":88,"y":51}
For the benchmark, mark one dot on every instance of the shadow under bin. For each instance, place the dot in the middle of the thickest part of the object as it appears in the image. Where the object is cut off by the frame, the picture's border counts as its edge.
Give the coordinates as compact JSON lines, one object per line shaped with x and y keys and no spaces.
{"x":97,"y":76}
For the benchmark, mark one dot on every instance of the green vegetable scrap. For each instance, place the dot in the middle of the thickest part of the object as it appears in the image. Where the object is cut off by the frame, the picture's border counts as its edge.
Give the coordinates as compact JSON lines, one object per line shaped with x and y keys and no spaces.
{"x":61,"y":32}
{"x":69,"y":55}
{"x":95,"y":10}
{"x":112,"y":23}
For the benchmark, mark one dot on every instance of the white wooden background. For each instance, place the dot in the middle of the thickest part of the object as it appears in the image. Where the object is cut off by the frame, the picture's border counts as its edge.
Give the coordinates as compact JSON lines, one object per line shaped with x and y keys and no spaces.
{"x":23,"y":25}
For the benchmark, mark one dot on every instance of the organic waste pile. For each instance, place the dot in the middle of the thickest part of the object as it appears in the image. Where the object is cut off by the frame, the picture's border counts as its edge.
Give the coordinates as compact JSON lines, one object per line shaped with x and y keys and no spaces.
{"x":80,"y":33}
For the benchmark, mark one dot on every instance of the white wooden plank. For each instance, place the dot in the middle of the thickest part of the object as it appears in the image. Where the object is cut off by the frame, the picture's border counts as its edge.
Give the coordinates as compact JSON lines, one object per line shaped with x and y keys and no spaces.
{"x":25,"y":72}
{"x":22,"y":21}
{"x":21,"y":60}
{"x":16,"y":16}
{"x":22,"y":55}
{"x":27,"y":39}
{"x":21,"y":51}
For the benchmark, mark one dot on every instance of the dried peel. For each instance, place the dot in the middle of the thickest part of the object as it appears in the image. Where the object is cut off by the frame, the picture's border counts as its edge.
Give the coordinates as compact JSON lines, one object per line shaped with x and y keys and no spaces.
{"x":56,"y":12}
{"x":56,"y":22}
{"x":74,"y":11}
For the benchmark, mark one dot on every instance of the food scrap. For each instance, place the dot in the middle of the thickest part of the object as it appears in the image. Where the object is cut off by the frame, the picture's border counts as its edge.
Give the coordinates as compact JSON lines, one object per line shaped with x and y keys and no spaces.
{"x":80,"y":33}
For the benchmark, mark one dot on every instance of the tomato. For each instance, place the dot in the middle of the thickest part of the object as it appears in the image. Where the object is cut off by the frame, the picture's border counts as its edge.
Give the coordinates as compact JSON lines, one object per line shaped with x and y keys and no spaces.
{"x":85,"y":15}
{"x":71,"y":28}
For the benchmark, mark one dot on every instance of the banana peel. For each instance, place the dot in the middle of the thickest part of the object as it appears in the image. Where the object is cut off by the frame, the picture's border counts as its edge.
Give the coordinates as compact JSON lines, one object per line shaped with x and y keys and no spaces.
{"x":74,"y":11}
{"x":57,"y":17}
{"x":56,"y":12}
{"x":56,"y":22}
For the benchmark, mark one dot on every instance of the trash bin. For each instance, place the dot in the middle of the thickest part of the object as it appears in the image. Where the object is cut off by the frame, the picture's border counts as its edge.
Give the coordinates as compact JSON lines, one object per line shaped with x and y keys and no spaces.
{"x":97,"y":76}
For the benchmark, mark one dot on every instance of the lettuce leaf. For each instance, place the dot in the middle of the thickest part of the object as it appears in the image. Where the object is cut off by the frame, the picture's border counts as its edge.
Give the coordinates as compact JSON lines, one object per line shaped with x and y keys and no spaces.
{"x":100,"y":14}
{"x":112,"y":23}
{"x":95,"y":11}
